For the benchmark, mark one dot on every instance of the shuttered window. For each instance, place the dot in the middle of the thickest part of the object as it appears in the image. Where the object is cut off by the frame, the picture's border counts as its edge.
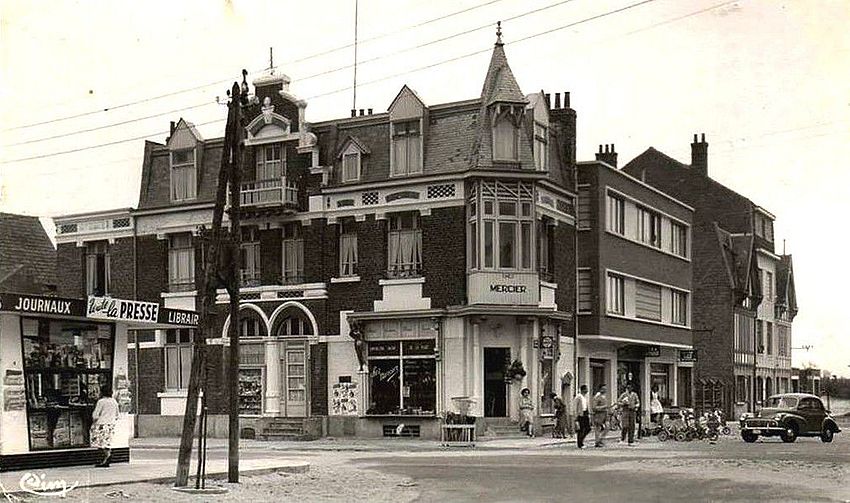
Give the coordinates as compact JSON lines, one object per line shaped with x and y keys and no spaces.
{"x":585,"y":292}
{"x":647,"y":301}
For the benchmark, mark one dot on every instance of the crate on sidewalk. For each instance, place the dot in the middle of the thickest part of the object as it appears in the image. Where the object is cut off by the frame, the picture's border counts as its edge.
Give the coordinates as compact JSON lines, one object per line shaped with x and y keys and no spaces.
{"x":460,"y":435}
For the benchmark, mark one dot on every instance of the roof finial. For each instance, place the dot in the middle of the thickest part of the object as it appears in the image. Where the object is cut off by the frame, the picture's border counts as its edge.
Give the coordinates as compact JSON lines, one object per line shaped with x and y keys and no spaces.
{"x":498,"y":33}
{"x":271,"y":61}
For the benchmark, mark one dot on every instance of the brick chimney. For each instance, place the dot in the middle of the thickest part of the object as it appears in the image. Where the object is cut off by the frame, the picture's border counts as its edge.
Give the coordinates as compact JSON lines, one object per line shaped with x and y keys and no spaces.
{"x":608,"y":155}
{"x":699,"y":155}
{"x":563,"y":118}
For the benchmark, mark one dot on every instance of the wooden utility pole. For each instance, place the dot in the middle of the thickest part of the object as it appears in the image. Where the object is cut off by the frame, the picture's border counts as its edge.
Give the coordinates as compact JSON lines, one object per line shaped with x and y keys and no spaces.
{"x":212,"y":240}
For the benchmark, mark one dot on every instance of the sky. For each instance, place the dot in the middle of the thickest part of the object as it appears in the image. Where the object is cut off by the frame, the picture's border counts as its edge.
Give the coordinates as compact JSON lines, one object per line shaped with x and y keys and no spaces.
{"x":765,"y":80}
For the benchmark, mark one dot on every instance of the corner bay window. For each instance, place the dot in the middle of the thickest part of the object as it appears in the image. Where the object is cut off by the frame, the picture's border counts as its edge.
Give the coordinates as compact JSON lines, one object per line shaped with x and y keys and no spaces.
{"x":97,"y":268}
{"x":501,"y":226}
{"x":183,"y":175}
{"x":347,"y":248}
{"x":293,"y":254}
{"x":407,"y":147}
{"x":403,"y":377}
{"x":181,"y":263}
{"x":178,"y":358}
{"x":404,"y":245}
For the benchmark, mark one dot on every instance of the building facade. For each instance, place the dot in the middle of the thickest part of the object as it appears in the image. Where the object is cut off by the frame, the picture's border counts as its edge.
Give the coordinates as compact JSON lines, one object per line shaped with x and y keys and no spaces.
{"x":394,"y":266}
{"x":634,"y":285}
{"x":743,"y":290}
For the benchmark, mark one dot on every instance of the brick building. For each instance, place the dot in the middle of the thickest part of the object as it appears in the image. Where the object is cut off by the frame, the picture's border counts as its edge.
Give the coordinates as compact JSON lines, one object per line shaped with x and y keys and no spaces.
{"x":744,"y":296}
{"x":634,"y":285}
{"x":394,"y":265}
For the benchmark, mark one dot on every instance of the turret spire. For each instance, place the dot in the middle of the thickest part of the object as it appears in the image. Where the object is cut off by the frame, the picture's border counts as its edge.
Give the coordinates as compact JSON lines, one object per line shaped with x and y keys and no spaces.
{"x":499,"y":33}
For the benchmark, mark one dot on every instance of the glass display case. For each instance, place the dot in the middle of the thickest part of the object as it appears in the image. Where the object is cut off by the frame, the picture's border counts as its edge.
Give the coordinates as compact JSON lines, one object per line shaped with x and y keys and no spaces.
{"x":65,"y":364}
{"x":250,"y":391}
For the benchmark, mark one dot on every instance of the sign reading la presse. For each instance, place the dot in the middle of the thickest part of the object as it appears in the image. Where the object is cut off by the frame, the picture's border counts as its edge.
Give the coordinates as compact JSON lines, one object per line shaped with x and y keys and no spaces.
{"x":108,"y":308}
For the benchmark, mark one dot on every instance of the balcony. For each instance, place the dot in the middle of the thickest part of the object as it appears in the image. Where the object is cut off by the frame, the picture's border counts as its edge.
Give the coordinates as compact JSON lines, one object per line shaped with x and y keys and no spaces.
{"x":269,"y":192}
{"x":249,"y":277}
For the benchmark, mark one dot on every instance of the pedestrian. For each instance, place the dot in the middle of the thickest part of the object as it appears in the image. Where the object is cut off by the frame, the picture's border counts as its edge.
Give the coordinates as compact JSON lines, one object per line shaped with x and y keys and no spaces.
{"x":656,"y":411}
{"x":526,"y":408}
{"x":600,"y":407}
{"x":580,"y":410}
{"x":104,"y":419}
{"x":629,"y":404}
{"x":560,"y":428}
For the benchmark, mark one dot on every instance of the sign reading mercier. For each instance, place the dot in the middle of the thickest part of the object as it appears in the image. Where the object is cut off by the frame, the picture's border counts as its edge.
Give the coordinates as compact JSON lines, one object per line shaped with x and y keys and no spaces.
{"x":120,"y":309}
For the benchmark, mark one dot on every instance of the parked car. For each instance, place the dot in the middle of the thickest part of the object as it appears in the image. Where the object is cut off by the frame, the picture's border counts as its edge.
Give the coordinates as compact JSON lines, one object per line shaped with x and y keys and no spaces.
{"x":790,"y":415}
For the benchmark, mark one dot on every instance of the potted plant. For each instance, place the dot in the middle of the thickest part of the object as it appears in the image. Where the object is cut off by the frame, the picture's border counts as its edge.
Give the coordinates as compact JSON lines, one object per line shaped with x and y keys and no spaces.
{"x":515,"y":371}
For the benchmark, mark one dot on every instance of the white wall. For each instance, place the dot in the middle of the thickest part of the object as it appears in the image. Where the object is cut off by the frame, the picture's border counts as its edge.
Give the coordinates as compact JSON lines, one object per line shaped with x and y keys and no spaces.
{"x":14,"y":433}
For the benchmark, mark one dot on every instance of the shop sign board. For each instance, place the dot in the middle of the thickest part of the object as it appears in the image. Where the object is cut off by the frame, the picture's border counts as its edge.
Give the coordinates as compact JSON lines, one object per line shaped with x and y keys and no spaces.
{"x":687,"y":355}
{"x":108,"y":308}
{"x":652,"y":351}
{"x":517,"y":288}
{"x":39,"y":304}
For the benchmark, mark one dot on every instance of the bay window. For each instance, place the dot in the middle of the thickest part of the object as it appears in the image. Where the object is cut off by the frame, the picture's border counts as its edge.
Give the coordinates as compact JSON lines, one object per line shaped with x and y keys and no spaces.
{"x":347,"y":248}
{"x":403,"y":377}
{"x":183,"y":175}
{"x":404,"y":245}
{"x":97,"y":268}
{"x":181,"y":263}
{"x":293,"y":254}
{"x":269,"y":162}
{"x":406,"y":147}
{"x":501,"y":226}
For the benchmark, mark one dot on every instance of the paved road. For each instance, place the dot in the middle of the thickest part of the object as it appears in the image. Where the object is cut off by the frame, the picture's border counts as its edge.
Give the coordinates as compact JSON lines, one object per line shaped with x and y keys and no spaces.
{"x":728,"y":471}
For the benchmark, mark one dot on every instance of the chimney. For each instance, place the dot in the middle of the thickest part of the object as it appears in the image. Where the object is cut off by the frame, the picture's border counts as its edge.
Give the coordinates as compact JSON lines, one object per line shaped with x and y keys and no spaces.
{"x":353,"y":112}
{"x":608,"y":156}
{"x":557,"y":101}
{"x":361,"y":112}
{"x":699,"y":155}
{"x":567,"y":99}
{"x":171,"y":129}
{"x":548,"y":98}
{"x":369,"y":112}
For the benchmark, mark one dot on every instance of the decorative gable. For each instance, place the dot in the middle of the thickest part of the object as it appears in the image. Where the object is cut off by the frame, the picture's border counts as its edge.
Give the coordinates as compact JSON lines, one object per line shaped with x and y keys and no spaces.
{"x":268,"y":126}
{"x":406,"y":105}
{"x":184,"y":136}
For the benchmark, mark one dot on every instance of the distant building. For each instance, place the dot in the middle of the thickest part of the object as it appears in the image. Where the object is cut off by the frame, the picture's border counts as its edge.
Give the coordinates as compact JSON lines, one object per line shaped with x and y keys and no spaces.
{"x":744,"y":295}
{"x":27,"y":257}
{"x":806,"y":380}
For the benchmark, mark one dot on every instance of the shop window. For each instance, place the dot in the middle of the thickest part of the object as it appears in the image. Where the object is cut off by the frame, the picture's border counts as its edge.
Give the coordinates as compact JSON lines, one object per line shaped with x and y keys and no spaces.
{"x":406,"y":148}
{"x":97,"y":269}
{"x":65,"y":365}
{"x":178,"y":358}
{"x":614,"y":294}
{"x":181,"y":263}
{"x":648,"y":227}
{"x":404,"y":246}
{"x":659,"y":376}
{"x":293,"y":254}
{"x":250,"y":391}
{"x":269,"y":162}
{"x":250,"y":257}
{"x":647,"y":301}
{"x":547,"y":366}
{"x":506,"y":226}
{"x":403,"y":377}
{"x":184,"y":183}
{"x":541,"y":147}
{"x":347,"y":248}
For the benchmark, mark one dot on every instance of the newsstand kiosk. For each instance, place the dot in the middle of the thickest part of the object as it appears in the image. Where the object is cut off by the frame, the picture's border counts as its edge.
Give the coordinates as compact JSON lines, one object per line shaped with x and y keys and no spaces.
{"x":55,"y":354}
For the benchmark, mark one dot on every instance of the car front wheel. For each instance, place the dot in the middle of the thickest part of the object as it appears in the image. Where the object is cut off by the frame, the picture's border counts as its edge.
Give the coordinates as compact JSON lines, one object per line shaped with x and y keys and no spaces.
{"x":749,"y":437}
{"x":790,"y":434}
{"x":827,"y":434}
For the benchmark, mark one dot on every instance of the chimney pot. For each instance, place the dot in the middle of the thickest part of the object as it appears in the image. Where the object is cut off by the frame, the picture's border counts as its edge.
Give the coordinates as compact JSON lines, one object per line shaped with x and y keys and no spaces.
{"x":173,"y":127}
{"x":703,"y":137}
{"x":607,"y":155}
{"x":567,"y":99}
{"x":547,"y":97}
{"x":353,"y":112}
{"x":557,"y":100}
{"x":362,"y":112}
{"x":370,"y":111}
{"x":600,"y":148}
{"x":699,"y":155}
{"x":695,"y":137}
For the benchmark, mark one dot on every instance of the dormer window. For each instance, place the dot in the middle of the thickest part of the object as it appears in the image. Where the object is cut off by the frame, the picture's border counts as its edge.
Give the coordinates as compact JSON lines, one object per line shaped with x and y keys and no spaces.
{"x":351,"y":167}
{"x":183,"y":175}
{"x":269,"y":162}
{"x":506,"y":133}
{"x":407,"y":147}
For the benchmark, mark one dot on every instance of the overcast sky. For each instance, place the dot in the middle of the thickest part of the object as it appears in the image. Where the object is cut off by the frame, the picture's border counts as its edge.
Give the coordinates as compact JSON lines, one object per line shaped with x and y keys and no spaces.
{"x":767,"y":81}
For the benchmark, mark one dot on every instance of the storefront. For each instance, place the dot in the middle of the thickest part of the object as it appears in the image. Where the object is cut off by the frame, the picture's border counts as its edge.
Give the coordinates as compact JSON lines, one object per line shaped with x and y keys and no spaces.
{"x":55,"y":354}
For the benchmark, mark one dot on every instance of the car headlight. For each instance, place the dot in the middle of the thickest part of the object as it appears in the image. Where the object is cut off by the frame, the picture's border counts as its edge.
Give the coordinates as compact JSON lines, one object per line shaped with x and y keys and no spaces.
{"x":778,"y":417}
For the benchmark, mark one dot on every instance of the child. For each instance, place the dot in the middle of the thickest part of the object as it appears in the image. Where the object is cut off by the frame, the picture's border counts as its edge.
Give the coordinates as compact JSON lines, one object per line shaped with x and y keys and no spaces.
{"x":526,"y":408}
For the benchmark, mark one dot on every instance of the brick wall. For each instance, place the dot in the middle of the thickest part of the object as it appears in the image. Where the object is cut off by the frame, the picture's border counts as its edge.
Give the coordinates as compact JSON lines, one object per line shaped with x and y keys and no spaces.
{"x":121,"y":268}
{"x":444,"y":256}
{"x":564,"y":266}
{"x":153,"y":267}
{"x":271,"y":262}
{"x":70,"y":266}
{"x":151,"y":378}
{"x":319,"y":379}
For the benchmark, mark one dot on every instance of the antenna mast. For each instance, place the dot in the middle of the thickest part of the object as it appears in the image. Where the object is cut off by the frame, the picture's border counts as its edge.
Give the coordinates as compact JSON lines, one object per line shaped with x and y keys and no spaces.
{"x":354,"y":103}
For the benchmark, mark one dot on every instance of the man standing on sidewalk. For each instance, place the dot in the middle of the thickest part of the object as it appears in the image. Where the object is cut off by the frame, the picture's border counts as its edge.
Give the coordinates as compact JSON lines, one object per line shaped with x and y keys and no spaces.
{"x":579,"y":408}
{"x":629,"y":404}
{"x":600,"y":408}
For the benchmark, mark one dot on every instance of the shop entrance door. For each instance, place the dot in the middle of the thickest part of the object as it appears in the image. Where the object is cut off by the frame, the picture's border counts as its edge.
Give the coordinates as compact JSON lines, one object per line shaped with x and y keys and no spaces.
{"x":684,"y":387}
{"x":294,"y":374}
{"x":628,"y":372}
{"x":495,"y":388}
{"x":597,"y":376}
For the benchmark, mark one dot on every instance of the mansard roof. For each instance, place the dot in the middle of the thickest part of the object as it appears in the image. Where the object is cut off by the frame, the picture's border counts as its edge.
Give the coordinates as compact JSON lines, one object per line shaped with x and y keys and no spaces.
{"x":738,"y":252}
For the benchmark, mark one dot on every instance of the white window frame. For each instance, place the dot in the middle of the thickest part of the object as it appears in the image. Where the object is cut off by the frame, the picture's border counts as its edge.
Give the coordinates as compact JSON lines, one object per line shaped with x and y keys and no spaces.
{"x":768,"y":286}
{"x":678,"y":239}
{"x":648,"y":226}
{"x":615,"y":210}
{"x":541,"y":146}
{"x":400,"y":358}
{"x":347,"y":248}
{"x":251,"y":257}
{"x":615,"y":294}
{"x":678,"y":307}
{"x":180,"y":349}
{"x":409,"y":137}
{"x":270,"y":169}
{"x":399,"y":266}
{"x":488,"y":198}
{"x":95,"y":250}
{"x":506,"y":119}
{"x":187,"y":169}
{"x":292,"y":254}
{"x":650,"y":289}
{"x":178,"y":251}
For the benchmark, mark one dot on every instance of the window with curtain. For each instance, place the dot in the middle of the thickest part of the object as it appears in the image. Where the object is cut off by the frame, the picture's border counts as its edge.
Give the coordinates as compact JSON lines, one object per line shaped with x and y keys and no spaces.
{"x":250,"y":256}
{"x":679,"y":307}
{"x":181,"y":263}
{"x":541,"y":147}
{"x":679,"y":239}
{"x":615,"y":294}
{"x":648,"y":227}
{"x":647,"y":301}
{"x":269,"y":162}
{"x":351,"y":167}
{"x":503,"y":214}
{"x":183,"y":175}
{"x":347,"y":248}
{"x":407,"y":147}
{"x":505,"y":136}
{"x":178,"y":358}
{"x":293,"y":254}
{"x":404,"y":245}
{"x":616,"y":214}
{"x":97,"y":268}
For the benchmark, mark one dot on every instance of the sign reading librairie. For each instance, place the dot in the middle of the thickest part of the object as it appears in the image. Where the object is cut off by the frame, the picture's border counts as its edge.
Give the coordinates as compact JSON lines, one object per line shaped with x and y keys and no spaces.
{"x":107,"y":308}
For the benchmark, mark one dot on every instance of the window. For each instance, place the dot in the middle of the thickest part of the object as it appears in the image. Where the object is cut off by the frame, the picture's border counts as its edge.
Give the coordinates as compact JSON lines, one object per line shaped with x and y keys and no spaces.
{"x":782,"y":340}
{"x":183,"y":175}
{"x":351,"y":167}
{"x":648,"y":227}
{"x":769,"y":337}
{"x":659,"y":375}
{"x":97,"y":268}
{"x":541,"y":147}
{"x":472,"y":235}
{"x":295,"y":324}
{"x":760,"y":335}
{"x":679,"y":306}
{"x":251,"y":325}
{"x":647,"y":301}
{"x":543,"y":249}
{"x":743,"y":333}
{"x":768,"y":286}
{"x":616,"y":215}
{"x":181,"y":263}
{"x":269,"y":162}
{"x":178,"y":358}
{"x":615,"y":294}
{"x":347,"y":248}
{"x":404,"y":246}
{"x":585,"y":291}
{"x":741,"y":389}
{"x":250,"y":259}
{"x":584,"y":213}
{"x":407,"y":148}
{"x":679,"y":239}
{"x":403,"y":377}
{"x":506,"y":222}
{"x":505,"y":136}
{"x":293,"y":254}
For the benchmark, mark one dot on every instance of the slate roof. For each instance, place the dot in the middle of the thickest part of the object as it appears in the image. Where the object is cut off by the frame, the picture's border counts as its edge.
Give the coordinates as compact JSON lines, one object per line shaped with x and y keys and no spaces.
{"x":25,"y":248}
{"x":500,"y":84}
{"x":738,"y":252}
{"x":785,"y":291}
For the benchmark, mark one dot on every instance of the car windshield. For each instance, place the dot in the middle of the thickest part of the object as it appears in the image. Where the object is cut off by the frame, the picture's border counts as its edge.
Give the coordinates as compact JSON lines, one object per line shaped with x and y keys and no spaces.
{"x":781,"y":402}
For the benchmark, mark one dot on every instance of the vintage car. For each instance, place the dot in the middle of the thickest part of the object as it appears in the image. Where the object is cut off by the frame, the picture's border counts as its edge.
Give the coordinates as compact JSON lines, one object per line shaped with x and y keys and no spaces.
{"x":790,"y":415}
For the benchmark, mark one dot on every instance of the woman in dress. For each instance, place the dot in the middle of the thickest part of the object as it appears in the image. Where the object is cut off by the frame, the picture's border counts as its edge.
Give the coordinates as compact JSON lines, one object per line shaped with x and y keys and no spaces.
{"x":560,"y":429}
{"x":104,"y":419}
{"x":656,"y":411}
{"x":526,"y":408}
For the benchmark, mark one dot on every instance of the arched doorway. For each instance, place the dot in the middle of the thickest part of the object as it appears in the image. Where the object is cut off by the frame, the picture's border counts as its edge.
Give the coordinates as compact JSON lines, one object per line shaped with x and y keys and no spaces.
{"x":292,"y":324}
{"x":252,"y":325}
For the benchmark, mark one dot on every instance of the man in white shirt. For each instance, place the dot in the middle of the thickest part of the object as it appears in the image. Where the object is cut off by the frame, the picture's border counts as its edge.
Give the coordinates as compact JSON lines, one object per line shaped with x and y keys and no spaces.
{"x":580,"y":410}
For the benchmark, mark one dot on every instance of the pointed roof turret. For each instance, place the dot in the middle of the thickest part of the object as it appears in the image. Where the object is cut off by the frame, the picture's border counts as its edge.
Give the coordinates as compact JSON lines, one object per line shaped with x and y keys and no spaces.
{"x":500,"y":84}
